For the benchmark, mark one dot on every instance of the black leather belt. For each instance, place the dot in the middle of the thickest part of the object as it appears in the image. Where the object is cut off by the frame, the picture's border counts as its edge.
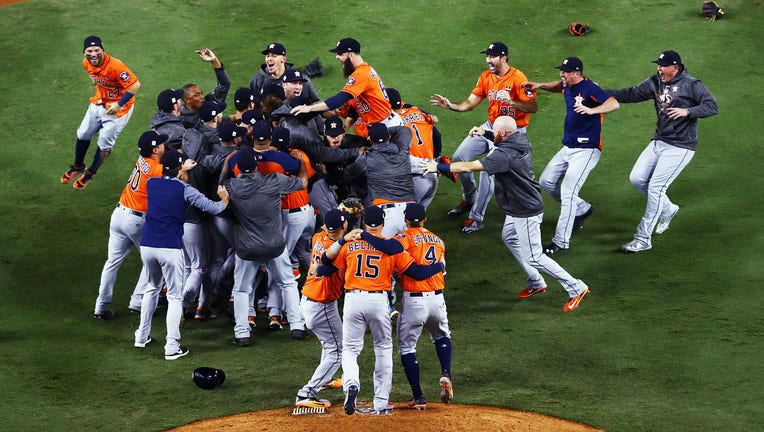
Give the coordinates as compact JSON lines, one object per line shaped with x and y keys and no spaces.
{"x":131,"y":211}
{"x":387,"y":205}
{"x":364,"y":291}
{"x":296,"y":210}
{"x":419,"y":294}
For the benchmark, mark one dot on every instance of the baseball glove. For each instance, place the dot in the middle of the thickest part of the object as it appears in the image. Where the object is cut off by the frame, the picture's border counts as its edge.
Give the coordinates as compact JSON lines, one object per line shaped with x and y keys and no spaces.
{"x":578,"y":29}
{"x":352,"y":205}
{"x":314,"y":68}
{"x":712,"y":11}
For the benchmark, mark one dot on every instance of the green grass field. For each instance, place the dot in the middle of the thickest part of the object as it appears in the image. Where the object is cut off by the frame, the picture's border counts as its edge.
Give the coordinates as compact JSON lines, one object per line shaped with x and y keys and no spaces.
{"x":667,"y":340}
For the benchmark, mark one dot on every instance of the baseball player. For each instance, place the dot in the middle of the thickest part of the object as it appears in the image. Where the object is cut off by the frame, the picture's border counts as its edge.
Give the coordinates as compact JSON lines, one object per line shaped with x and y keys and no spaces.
{"x":162,"y":246}
{"x":519,"y":196}
{"x":425,"y":145}
{"x":273,"y":70}
{"x":368,"y":273}
{"x":321,"y":312}
{"x":680,"y":100}
{"x":364,"y":88}
{"x":387,"y":166}
{"x":565,"y":174}
{"x":423,"y":303}
{"x":193,"y":96}
{"x":108,"y":113}
{"x":259,"y":239}
{"x":501,"y":85}
{"x":127,"y":221}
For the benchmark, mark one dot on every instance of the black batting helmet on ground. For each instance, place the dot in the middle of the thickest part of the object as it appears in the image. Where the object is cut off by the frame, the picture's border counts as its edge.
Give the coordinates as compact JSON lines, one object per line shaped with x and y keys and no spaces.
{"x":208,"y":378}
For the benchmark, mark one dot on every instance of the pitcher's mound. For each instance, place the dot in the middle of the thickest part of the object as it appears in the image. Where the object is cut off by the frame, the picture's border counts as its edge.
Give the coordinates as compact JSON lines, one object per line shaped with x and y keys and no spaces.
{"x":437,"y":417}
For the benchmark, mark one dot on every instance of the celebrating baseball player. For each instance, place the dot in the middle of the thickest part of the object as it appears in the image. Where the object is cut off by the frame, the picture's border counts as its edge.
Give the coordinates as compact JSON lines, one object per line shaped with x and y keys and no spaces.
{"x":680,"y":100}
{"x":519,"y":196}
{"x":501,"y":85}
{"x":162,"y":246}
{"x":108,"y":113}
{"x":364,"y":88}
{"x":127,"y":219}
{"x":423,"y":303}
{"x":321,"y":312}
{"x":368,"y":273}
{"x":565,"y":174}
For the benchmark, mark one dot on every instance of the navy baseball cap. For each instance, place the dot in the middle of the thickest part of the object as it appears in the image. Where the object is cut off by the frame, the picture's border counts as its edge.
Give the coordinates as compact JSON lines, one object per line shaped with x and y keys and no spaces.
{"x":262,"y":130}
{"x":92,"y":41}
{"x":210,"y":109}
{"x":243,"y":95}
{"x":373,"y":216}
{"x":668,"y":58}
{"x":347,"y":45}
{"x":414,"y":212}
{"x":395,"y":98}
{"x":496,"y":49}
{"x":280,"y":136}
{"x":168,"y":98}
{"x":172,"y":159}
{"x":293,"y":75}
{"x":230,"y":130}
{"x":246,"y":159}
{"x":275,"y":48}
{"x":335,"y":218}
{"x":151,"y":139}
{"x":252,"y":116}
{"x":333,"y":126}
{"x":272,"y":89}
{"x":378,"y":133}
{"x":571,"y":64}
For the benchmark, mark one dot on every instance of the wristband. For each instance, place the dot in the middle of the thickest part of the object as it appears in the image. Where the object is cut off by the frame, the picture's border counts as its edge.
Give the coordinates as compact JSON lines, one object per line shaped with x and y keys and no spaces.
{"x":125,"y":98}
{"x":342,"y":241}
{"x":444,"y":167}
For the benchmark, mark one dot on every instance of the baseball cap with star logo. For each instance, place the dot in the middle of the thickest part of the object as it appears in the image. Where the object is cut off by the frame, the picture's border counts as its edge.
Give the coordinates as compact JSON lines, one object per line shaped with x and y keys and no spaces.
{"x":496,"y":49}
{"x":275,"y":48}
{"x":668,"y":58}
{"x":293,"y":75}
{"x":333,"y":126}
{"x":571,"y":64}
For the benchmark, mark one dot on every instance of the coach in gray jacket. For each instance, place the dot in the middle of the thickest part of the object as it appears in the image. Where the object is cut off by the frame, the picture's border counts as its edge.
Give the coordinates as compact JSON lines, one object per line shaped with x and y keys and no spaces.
{"x":680,"y":100}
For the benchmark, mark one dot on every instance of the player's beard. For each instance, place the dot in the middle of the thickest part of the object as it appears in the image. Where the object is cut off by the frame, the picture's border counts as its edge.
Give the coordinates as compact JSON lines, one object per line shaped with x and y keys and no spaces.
{"x":347,"y":67}
{"x":95,"y":60}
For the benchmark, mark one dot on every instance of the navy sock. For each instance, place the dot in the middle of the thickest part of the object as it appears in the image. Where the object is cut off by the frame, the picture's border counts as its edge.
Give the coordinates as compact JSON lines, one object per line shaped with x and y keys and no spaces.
{"x":80,"y":149}
{"x":443,"y":349}
{"x":93,"y":168}
{"x":411,"y":367}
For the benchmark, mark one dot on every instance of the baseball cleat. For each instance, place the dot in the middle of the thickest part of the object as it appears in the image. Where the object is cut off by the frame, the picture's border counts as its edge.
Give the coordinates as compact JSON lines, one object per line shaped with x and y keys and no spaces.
{"x":333,"y":384}
{"x":143,"y":344}
{"x":350,"y":397}
{"x":635,"y":246}
{"x":393,"y":312}
{"x":574,"y":302}
{"x":275,"y":323}
{"x":71,"y":173}
{"x":182,"y":351}
{"x":299,"y":334}
{"x":578,"y":222}
{"x":454,"y":177}
{"x":82,"y":182}
{"x":418,"y":404}
{"x":105,"y":315}
{"x":460,"y":209}
{"x":242,"y":342}
{"x":204,"y":314}
{"x":311,"y":402}
{"x":446,"y":390}
{"x":472,"y":226}
{"x":663,"y":223}
{"x":552,"y":248}
{"x":251,"y":321}
{"x":530,"y":292}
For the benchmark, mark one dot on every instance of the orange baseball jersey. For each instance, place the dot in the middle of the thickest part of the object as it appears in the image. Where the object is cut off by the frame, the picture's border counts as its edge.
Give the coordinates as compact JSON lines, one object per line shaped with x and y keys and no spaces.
{"x":488,"y":84}
{"x":134,"y":195}
{"x":421,"y":125}
{"x":299,"y":198}
{"x":370,"y":100}
{"x":111,"y":79}
{"x":425,"y":248}
{"x":366,"y":268}
{"x":327,"y":288}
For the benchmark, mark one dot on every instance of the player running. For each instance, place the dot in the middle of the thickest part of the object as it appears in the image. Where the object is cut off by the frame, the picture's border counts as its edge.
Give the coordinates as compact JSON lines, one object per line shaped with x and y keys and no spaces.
{"x":108,"y":113}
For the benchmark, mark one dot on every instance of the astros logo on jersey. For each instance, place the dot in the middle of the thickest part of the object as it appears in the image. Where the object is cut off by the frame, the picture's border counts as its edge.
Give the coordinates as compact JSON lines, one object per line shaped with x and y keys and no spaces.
{"x":124,"y":76}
